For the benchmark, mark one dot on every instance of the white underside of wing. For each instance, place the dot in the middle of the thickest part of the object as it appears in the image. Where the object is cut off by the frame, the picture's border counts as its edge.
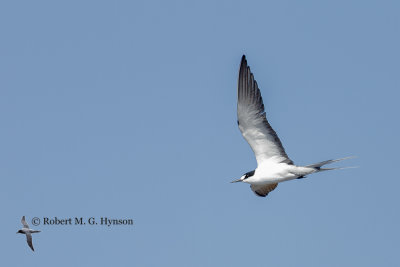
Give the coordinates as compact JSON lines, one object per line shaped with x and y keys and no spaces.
{"x":260,"y":139}
{"x":253,"y":122}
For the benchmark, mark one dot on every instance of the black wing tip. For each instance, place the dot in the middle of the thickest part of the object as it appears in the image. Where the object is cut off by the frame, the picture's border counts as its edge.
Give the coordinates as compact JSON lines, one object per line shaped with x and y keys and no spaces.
{"x":243,"y":65}
{"x":243,"y":61}
{"x":31,"y":246}
{"x":259,"y":194}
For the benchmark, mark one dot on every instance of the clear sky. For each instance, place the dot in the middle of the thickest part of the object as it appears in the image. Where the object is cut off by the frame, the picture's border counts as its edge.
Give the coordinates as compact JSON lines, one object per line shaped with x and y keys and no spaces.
{"x":127,"y":109}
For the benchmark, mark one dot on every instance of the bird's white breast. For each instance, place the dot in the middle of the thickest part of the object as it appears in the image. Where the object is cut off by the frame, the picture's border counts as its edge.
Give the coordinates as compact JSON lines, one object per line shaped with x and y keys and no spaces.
{"x":270,"y":172}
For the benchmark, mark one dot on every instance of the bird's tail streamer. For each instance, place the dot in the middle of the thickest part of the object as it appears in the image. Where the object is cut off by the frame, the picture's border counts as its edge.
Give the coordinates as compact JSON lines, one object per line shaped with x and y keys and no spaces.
{"x":318,"y":165}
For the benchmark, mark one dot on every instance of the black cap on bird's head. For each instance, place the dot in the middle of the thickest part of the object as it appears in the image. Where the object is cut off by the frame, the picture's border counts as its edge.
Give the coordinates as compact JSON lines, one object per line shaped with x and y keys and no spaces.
{"x":245,"y":176}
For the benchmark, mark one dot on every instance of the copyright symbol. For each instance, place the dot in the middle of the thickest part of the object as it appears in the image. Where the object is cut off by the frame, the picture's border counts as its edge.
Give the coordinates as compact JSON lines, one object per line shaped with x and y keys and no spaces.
{"x":35,"y":221}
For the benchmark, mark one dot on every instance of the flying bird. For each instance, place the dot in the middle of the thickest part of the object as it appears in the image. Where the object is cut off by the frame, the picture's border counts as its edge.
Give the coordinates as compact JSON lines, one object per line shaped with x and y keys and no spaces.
{"x":273,"y":164}
{"x":28,"y":232}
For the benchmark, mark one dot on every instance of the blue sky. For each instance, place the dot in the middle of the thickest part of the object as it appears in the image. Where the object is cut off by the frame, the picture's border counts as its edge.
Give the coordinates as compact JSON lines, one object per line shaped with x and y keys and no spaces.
{"x":127,"y":109}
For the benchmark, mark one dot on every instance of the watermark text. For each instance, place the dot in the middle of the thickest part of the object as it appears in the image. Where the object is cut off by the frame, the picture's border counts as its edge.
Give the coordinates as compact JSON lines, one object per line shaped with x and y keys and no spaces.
{"x":59,"y":221}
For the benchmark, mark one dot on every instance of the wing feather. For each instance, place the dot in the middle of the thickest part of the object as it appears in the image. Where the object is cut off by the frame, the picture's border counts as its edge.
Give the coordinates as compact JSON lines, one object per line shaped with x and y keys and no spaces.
{"x":263,"y":190}
{"x":29,"y":240}
{"x":253,"y":122}
{"x":23,"y":221}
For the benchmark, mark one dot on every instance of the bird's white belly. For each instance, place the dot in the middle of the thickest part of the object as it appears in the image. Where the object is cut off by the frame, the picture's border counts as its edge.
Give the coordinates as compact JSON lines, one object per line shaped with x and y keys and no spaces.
{"x":271,"y":174}
{"x":270,"y":180}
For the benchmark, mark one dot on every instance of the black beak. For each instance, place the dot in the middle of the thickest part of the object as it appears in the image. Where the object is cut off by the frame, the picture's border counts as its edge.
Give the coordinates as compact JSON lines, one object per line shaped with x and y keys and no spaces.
{"x":238,"y":180}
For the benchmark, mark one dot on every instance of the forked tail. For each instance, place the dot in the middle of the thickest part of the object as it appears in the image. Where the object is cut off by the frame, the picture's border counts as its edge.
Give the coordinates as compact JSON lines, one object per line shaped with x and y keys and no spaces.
{"x":317,"y":166}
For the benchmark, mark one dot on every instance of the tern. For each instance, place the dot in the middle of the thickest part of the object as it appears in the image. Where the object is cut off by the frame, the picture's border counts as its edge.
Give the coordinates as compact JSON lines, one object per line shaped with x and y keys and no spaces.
{"x":273,"y":164}
{"x":28,"y":232}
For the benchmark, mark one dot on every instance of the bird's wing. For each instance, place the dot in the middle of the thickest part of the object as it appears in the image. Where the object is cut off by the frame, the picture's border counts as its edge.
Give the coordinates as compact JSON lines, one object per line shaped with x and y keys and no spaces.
{"x":253,"y":122}
{"x":263,"y":190}
{"x":29,"y":240}
{"x":24,"y":222}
